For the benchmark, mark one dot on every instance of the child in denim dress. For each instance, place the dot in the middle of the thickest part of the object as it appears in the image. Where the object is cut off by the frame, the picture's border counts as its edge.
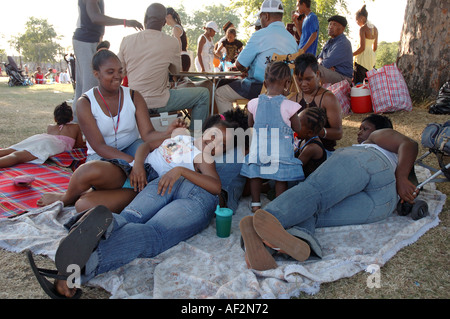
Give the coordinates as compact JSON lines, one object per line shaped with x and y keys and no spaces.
{"x":274,"y":120}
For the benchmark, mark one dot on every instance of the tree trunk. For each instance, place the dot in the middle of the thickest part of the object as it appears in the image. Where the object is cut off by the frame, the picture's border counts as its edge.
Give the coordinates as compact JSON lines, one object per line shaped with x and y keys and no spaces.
{"x":424,"y":52}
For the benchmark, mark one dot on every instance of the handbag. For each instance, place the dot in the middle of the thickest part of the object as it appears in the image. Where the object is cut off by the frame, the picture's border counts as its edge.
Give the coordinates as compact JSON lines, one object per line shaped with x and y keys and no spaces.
{"x":388,"y":90}
{"x":342,"y":92}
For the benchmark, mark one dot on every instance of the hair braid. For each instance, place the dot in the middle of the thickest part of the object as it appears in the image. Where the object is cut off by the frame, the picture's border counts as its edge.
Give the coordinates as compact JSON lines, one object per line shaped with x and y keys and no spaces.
{"x":316,"y":118}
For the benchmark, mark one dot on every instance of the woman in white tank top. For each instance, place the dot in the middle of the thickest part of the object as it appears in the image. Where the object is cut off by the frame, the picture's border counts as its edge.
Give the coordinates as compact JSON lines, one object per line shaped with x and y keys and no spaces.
{"x":119,"y":131}
{"x":115,"y":121}
{"x":111,"y":119}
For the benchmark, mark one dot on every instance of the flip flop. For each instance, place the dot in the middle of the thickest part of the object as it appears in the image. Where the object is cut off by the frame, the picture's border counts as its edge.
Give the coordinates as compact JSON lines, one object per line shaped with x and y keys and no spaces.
{"x":47,"y":286}
{"x":256,"y":254}
{"x":83,"y":238}
{"x":270,"y":230}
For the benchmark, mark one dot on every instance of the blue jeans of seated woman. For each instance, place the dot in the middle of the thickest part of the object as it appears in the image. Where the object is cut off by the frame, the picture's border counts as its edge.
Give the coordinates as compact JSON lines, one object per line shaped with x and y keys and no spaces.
{"x":354,"y":186}
{"x":151,"y":224}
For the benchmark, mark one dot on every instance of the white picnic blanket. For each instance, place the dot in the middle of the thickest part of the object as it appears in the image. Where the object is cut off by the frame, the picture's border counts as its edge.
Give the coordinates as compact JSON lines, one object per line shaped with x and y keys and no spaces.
{"x":206,"y":266}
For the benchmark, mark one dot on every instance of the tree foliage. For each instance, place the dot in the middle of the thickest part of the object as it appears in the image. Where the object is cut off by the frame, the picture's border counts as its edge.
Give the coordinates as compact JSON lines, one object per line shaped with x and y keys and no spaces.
{"x":386,"y":53}
{"x":38,"y":42}
{"x":2,"y":55}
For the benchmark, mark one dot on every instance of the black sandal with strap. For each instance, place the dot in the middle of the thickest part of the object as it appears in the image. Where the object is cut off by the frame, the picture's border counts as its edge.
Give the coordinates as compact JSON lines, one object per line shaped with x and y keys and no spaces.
{"x":47,"y":286}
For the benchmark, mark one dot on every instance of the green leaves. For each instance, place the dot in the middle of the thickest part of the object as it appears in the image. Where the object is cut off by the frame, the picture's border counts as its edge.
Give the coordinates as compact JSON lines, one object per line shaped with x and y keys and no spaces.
{"x":386,"y":53}
{"x":38,"y":42}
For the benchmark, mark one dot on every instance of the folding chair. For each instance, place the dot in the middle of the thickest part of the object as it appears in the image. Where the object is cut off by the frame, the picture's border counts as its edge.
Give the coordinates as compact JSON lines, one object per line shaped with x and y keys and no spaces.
{"x":290,"y":58}
{"x":162,"y":120}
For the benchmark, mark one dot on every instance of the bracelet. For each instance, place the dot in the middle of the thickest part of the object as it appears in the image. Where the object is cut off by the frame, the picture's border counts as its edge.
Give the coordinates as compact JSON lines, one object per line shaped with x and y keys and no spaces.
{"x":124,"y":23}
{"x":325,"y":132}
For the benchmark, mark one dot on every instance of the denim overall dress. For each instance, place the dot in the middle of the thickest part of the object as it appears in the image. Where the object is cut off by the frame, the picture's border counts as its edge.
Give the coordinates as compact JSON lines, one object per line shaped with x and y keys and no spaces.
{"x":271,"y":153}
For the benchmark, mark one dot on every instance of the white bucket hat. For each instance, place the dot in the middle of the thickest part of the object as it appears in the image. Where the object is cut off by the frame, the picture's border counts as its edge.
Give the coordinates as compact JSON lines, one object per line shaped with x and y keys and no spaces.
{"x":271,"y":6}
{"x":212,"y":25}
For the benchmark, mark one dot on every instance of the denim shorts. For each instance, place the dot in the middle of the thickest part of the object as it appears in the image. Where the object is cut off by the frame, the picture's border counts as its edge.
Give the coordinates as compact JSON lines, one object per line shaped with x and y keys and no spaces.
{"x":126,"y":167}
{"x":130,"y":150}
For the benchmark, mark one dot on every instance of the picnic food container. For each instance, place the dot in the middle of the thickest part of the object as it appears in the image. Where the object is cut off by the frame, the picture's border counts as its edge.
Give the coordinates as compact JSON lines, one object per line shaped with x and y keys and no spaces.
{"x":361,"y":101}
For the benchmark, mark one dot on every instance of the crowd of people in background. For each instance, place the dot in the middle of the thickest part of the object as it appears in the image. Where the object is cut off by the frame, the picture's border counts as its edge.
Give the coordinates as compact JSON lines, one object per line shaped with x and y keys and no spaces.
{"x":337,"y":59}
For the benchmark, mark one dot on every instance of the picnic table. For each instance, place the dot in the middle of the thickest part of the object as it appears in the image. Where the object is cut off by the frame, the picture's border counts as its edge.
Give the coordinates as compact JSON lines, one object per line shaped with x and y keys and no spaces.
{"x":215,"y":77}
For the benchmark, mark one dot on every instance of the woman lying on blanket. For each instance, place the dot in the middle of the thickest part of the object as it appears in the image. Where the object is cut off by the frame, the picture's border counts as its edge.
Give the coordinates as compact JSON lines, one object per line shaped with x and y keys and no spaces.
{"x":60,"y":137}
{"x":106,"y":176}
{"x":357,"y":185}
{"x":169,"y":209}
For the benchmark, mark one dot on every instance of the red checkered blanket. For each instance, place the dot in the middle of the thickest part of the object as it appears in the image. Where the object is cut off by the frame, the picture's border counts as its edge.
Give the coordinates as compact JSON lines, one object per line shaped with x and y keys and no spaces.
{"x":16,"y":200}
{"x":72,"y":158}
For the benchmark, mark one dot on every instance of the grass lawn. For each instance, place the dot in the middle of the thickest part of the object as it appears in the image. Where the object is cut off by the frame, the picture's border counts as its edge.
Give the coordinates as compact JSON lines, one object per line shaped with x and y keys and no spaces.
{"x":420,"y":270}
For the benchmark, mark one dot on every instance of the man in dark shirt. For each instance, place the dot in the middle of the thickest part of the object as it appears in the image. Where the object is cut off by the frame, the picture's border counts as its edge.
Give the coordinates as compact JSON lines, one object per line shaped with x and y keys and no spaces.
{"x":336,"y":58}
{"x":89,"y":32}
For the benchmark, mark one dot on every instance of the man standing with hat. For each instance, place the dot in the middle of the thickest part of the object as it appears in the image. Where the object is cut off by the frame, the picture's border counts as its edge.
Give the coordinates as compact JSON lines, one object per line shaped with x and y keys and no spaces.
{"x":272,"y":38}
{"x":336,"y":58}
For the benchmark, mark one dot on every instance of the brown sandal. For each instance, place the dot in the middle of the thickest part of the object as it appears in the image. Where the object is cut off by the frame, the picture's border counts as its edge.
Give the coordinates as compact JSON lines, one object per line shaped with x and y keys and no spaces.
{"x":256,"y":254}
{"x":270,"y":230}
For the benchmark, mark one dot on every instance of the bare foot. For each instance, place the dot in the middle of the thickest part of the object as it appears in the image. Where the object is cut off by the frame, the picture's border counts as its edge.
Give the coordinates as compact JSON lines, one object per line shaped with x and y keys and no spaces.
{"x":49,"y":198}
{"x":62,"y":288}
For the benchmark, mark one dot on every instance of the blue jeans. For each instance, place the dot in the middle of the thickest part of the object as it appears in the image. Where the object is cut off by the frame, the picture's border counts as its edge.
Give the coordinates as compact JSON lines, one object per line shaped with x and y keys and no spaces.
{"x":151,"y":224}
{"x":130,"y":150}
{"x":233,"y":182}
{"x":354,"y":186}
{"x":196,"y":99}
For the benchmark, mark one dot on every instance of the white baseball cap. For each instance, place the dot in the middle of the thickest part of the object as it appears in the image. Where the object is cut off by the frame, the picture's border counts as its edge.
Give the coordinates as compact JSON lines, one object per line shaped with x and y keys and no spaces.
{"x":212,"y":25}
{"x":271,"y":6}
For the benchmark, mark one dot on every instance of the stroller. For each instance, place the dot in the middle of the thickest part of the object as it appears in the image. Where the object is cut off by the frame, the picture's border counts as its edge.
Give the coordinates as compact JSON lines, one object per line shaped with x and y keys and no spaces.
{"x":435,"y":137}
{"x":16,"y":76}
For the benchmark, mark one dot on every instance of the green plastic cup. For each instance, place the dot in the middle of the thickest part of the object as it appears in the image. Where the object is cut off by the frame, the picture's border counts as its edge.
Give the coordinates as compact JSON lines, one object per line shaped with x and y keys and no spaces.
{"x":223,"y":221}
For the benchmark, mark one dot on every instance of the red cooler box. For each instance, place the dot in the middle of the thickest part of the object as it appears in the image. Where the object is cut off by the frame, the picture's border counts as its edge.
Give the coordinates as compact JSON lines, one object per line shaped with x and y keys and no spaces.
{"x":361,"y":101}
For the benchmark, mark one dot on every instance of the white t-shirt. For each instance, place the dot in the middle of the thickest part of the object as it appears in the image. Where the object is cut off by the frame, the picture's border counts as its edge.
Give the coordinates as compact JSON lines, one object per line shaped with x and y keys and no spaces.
{"x":207,"y":55}
{"x":127,"y":131}
{"x":288,"y":109}
{"x":173,"y":152}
